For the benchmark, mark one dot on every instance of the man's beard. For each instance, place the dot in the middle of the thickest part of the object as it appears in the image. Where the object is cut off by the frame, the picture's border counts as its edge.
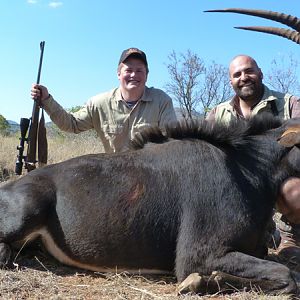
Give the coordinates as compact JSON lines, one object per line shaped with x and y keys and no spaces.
{"x":250,"y":92}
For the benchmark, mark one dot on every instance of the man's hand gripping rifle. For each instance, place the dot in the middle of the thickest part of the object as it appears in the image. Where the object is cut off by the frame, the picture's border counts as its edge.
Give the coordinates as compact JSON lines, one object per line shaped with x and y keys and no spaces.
{"x":36,"y":135}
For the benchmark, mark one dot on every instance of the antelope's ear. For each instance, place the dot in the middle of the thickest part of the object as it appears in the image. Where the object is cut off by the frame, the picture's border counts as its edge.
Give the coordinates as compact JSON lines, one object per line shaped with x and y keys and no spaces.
{"x":290,"y":137}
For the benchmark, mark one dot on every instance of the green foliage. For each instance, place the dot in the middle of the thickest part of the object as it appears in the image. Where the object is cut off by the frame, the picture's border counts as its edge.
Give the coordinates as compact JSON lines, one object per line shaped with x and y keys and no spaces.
{"x":4,"y":126}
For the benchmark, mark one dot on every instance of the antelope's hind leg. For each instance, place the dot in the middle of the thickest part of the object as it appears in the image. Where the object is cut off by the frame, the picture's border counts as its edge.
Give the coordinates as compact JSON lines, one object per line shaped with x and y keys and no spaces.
{"x":25,"y":205}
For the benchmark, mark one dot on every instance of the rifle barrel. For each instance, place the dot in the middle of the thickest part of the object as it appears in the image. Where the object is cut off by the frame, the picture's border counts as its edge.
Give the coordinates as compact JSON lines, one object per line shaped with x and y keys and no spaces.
{"x":33,"y":130}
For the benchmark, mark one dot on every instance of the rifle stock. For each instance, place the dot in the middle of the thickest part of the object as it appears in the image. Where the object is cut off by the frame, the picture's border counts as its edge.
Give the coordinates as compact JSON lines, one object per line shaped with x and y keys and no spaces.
{"x":33,"y":134}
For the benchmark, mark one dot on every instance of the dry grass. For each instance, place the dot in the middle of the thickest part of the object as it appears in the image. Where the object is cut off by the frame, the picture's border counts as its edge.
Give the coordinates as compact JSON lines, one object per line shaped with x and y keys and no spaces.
{"x":8,"y":155}
{"x":60,"y":148}
{"x":70,"y":146}
{"x":36,"y":275}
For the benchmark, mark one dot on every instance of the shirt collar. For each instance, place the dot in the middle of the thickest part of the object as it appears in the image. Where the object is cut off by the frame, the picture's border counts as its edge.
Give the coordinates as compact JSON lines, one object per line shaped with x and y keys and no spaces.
{"x":267,"y":96}
{"x":145,"y":97}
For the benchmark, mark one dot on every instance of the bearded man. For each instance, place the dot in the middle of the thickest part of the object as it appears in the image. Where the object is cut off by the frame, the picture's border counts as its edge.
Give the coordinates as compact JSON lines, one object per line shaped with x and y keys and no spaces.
{"x":253,"y":97}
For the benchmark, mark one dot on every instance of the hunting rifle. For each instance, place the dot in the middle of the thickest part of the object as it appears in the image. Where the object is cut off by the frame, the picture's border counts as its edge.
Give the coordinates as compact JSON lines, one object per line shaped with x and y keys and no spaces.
{"x":36,"y":134}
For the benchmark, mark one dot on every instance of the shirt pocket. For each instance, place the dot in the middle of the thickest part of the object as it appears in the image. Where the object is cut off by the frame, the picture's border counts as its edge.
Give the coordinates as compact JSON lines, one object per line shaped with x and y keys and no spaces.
{"x":111,"y":130}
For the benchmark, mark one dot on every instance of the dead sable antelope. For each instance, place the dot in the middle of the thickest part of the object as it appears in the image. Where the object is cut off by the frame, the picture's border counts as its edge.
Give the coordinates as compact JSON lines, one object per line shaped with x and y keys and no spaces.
{"x":195,"y":201}
{"x":285,"y":19}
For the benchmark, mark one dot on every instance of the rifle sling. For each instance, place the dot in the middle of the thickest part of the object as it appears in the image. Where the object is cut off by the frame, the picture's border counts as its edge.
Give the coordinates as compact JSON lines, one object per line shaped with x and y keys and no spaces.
{"x":42,"y":142}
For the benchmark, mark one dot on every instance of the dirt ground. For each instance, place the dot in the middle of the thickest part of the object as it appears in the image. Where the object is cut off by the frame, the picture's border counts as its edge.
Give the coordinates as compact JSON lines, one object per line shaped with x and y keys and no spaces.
{"x":36,"y":275}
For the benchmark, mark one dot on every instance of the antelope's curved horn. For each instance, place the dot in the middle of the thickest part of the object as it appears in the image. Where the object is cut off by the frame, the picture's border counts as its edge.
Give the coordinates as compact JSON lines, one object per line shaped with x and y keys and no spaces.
{"x":286,"y":33}
{"x":288,"y":20}
{"x":285,"y":19}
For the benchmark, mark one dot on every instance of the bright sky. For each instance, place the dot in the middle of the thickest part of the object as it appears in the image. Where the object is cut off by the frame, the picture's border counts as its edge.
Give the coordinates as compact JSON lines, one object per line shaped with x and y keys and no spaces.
{"x":84,"y":40}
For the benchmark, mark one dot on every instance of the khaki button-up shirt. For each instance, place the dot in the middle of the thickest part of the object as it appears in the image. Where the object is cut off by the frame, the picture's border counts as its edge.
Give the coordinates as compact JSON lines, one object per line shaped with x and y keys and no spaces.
{"x":114,"y":122}
{"x":283,"y":105}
